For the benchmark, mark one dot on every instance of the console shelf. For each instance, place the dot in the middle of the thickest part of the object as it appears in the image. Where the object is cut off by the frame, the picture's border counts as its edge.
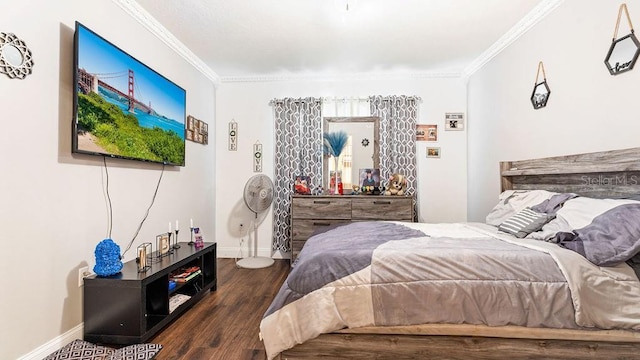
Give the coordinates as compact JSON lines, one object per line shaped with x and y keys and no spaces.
{"x":131,"y":307}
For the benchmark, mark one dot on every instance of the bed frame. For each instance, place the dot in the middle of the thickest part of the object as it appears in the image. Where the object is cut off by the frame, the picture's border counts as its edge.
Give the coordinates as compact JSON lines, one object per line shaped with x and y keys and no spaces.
{"x":607,"y":174}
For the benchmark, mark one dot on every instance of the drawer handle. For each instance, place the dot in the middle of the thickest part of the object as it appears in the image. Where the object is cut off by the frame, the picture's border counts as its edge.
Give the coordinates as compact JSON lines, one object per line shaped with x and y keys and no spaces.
{"x":382,"y":202}
{"x":321,"y":224}
{"x":321,"y":202}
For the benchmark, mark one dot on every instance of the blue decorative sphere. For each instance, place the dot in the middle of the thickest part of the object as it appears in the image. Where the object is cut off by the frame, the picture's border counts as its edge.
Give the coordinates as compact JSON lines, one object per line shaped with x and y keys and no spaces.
{"x":107,"y":258}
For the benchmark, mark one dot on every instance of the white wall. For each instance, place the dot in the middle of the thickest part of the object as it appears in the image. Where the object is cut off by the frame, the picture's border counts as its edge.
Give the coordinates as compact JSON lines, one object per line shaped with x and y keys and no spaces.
{"x":442,"y":182}
{"x":52,"y":207}
{"x":588,"y":109}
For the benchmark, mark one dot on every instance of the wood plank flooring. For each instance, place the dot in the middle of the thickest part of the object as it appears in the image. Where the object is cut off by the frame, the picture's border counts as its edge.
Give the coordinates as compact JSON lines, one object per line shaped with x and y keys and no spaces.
{"x":225,"y":323}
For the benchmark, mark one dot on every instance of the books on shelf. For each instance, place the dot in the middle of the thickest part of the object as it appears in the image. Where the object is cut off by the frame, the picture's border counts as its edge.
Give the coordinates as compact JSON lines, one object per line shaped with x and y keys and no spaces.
{"x":177,"y":300}
{"x":185,"y":274}
{"x":186,"y":279}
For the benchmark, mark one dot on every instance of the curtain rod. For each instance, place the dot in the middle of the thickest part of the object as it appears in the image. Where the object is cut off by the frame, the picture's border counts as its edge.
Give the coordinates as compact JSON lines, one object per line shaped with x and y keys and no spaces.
{"x":299,"y":100}
{"x":346,"y":98}
{"x":343,"y":99}
{"x":413,"y":97}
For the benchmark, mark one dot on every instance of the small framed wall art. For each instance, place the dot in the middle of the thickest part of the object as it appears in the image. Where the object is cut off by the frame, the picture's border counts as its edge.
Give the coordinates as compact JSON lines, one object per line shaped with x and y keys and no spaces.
{"x":454,"y":121}
{"x":427,"y":133}
{"x":433,"y":152}
{"x":197,"y":130}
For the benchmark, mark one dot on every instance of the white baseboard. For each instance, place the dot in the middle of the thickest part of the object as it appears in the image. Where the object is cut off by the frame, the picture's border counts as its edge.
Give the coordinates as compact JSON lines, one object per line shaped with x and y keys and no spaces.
{"x":232,"y":253}
{"x":54,"y":344}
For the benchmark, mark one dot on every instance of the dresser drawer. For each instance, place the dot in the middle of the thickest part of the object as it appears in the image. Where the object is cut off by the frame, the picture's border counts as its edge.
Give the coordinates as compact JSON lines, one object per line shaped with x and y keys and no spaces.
{"x":321,"y":208}
{"x":301,"y":229}
{"x":382,"y":208}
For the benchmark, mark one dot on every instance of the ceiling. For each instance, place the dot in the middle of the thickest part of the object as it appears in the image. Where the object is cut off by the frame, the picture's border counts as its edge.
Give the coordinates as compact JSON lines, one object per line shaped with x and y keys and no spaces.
{"x":245,"y":39}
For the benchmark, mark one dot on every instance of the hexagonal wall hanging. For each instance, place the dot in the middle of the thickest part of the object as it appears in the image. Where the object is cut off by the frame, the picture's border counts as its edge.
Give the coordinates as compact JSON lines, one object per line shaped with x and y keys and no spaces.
{"x":541,"y":91}
{"x":624,"y":51}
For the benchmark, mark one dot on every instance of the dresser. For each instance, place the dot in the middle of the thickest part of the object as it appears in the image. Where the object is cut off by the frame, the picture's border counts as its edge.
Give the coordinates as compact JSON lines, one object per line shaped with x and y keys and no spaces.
{"x":309,"y":213}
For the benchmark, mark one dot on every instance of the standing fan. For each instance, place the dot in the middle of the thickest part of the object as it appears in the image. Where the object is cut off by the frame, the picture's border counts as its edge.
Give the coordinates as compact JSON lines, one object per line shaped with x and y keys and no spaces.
{"x":258,"y":195}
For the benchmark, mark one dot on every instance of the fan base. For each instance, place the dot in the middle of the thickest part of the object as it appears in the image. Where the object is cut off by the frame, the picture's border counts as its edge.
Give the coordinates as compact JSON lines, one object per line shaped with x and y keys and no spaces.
{"x":256,"y":262}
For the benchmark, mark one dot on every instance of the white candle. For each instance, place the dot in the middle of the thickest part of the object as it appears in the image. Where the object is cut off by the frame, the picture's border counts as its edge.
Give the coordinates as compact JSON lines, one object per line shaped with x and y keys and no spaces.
{"x":177,"y":225}
{"x":191,"y":223}
{"x":169,"y":226}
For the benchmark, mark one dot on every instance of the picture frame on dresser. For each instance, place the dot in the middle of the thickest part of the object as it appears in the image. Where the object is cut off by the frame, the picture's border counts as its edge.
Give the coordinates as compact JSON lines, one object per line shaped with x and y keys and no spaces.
{"x":369,"y":180}
{"x":302,"y":185}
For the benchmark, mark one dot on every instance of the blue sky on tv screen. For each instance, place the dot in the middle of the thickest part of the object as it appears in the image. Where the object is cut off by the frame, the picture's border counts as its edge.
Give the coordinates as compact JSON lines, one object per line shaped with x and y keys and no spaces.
{"x":98,"y":56}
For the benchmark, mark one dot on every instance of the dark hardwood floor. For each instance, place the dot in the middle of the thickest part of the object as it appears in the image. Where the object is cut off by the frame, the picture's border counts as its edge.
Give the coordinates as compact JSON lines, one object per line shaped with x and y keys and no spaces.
{"x":225,"y":323}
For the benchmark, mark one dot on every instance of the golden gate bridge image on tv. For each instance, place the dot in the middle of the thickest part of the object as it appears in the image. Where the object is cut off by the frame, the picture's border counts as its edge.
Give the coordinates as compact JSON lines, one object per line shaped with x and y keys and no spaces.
{"x":89,"y":82}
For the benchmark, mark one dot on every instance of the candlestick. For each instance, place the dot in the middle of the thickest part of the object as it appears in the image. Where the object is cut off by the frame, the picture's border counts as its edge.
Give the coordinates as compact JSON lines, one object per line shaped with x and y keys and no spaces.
{"x":175,"y":244}
{"x":191,"y":240}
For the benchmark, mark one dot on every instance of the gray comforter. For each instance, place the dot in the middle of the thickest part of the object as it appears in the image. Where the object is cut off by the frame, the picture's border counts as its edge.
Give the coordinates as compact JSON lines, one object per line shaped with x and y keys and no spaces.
{"x":385,"y":274}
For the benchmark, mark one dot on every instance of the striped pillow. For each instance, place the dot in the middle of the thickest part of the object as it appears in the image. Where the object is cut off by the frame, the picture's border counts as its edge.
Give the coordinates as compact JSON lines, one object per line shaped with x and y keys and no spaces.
{"x":525,"y":222}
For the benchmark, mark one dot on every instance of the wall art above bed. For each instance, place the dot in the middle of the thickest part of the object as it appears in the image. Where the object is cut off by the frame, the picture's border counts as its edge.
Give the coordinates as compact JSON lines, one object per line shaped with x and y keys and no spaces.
{"x":623,"y":51}
{"x":541,"y":91}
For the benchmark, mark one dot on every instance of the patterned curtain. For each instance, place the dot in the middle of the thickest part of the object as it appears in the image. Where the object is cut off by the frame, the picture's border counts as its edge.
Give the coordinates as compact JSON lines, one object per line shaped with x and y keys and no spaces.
{"x":298,"y":151}
{"x":398,"y":117}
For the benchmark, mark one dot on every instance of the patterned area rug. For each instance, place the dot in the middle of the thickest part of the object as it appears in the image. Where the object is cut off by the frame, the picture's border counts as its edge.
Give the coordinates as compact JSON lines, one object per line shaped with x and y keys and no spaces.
{"x":83,"y":350}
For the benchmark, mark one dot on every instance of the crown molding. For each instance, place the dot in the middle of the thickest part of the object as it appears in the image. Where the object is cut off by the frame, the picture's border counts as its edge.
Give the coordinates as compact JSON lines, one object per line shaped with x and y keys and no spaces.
{"x":335,"y":77}
{"x":532,"y":18}
{"x":139,"y":14}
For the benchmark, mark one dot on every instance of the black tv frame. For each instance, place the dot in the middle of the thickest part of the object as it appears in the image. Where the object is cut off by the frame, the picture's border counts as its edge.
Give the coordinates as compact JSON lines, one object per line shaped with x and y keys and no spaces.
{"x":74,"y":127}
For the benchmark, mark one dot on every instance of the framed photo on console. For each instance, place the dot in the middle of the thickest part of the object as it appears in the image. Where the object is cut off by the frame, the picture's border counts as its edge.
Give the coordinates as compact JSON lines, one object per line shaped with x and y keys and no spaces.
{"x":162,"y":244}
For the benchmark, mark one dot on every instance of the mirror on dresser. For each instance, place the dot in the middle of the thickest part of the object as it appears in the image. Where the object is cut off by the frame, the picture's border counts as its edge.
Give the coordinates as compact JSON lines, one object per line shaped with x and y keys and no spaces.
{"x":362,"y":150}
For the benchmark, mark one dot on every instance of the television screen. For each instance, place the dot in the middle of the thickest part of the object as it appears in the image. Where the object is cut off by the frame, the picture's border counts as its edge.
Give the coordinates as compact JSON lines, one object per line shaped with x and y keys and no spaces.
{"x":122,"y":107}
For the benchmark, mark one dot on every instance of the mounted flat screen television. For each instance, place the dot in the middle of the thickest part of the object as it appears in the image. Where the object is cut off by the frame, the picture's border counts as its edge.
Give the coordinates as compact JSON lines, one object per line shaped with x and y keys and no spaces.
{"x":123,"y":108}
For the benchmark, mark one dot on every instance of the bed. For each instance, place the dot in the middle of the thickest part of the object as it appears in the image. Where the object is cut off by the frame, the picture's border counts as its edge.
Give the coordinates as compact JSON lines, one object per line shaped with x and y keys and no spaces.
{"x":459,"y":291}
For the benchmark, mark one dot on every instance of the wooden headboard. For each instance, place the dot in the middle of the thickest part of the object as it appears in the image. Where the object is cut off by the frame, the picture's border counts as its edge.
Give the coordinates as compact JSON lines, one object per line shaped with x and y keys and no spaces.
{"x":605,"y":174}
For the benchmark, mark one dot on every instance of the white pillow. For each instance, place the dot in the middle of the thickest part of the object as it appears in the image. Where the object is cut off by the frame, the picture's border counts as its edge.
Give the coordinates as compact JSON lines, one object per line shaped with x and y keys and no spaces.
{"x":581,"y":211}
{"x":576,"y":214}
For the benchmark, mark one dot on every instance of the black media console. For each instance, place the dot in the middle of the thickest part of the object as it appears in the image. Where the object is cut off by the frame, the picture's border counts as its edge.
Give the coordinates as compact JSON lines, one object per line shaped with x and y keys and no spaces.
{"x":131,"y":307}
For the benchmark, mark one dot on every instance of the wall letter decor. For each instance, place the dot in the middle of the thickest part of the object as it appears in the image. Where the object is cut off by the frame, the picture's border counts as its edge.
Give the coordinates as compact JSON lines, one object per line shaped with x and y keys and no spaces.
{"x":257,"y":157}
{"x":233,"y":136}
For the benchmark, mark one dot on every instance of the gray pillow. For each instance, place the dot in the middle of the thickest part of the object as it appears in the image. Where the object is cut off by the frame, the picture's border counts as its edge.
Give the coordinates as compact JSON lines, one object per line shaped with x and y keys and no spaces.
{"x":511,"y":202}
{"x":525,"y":222}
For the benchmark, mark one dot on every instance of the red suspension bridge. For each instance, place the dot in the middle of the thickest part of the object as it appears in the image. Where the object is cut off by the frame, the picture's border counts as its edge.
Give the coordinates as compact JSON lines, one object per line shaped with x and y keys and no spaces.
{"x":88,"y":83}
